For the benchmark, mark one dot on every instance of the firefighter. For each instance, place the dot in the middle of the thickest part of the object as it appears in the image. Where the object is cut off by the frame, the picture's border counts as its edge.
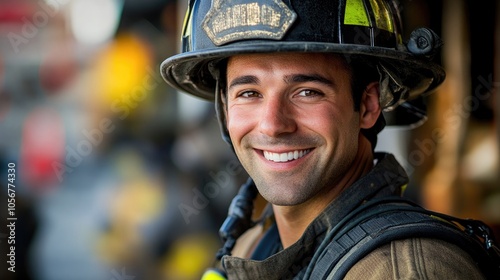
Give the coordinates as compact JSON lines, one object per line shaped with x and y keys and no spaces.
{"x":301,"y":90}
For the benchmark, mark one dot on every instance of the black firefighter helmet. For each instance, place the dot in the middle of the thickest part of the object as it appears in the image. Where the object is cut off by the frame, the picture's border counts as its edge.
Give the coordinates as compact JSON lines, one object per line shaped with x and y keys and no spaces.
{"x":371,"y":29}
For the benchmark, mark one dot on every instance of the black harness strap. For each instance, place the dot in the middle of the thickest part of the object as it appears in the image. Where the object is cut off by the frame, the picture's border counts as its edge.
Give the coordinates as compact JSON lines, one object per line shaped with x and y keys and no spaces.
{"x":381,"y":221}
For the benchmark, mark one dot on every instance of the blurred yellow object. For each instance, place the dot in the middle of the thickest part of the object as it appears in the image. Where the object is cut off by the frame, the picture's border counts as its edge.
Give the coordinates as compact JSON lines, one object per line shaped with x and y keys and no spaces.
{"x":138,"y":202}
{"x":213,"y":275}
{"x":122,"y":67}
{"x":190,"y":256}
{"x":134,"y":206}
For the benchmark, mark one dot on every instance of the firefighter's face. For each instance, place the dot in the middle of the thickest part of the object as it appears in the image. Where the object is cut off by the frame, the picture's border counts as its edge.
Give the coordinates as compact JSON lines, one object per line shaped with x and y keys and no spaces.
{"x":292,"y":122}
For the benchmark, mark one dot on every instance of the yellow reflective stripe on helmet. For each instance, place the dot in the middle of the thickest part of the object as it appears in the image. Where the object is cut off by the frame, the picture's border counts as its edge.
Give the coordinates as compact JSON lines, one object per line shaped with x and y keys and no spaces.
{"x":355,"y":13}
{"x":187,"y":24}
{"x":403,"y":188}
{"x":382,"y":15}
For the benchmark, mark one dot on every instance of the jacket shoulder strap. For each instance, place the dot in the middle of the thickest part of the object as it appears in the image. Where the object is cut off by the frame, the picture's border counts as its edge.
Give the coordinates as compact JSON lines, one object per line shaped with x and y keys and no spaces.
{"x":384,"y":220}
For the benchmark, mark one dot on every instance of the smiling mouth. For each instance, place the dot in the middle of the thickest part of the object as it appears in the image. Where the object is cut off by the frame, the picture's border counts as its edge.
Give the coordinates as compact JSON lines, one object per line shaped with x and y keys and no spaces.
{"x":284,"y":157}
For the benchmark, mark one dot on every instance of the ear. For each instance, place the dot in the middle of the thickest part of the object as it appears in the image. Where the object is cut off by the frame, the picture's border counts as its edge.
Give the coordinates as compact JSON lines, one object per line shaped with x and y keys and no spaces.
{"x":370,"y":109}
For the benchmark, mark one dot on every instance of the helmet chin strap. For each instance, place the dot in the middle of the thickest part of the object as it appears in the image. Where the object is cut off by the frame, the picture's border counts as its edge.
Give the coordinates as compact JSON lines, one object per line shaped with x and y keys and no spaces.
{"x":239,"y":217}
{"x":221,"y":117}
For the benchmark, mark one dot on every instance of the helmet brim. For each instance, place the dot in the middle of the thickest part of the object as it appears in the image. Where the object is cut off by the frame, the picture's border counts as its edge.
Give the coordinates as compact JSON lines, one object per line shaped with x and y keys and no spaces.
{"x":191,"y":72}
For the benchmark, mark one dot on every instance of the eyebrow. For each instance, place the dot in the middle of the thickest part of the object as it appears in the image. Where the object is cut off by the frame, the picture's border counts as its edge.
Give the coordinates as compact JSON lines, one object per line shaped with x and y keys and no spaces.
{"x":289,"y":79}
{"x":244,"y":80}
{"x":302,"y":78}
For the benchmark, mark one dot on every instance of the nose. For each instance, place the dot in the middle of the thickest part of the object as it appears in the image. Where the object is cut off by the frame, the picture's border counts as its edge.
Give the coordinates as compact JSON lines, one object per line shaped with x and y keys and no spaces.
{"x":276,"y":117}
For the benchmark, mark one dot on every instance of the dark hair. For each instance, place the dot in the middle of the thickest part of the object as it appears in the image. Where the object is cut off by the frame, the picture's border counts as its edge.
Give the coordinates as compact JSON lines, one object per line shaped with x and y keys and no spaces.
{"x":363,"y":72}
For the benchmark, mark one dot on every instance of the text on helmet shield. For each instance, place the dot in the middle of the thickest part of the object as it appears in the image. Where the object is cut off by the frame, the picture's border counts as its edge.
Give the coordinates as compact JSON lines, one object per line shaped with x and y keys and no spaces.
{"x":229,"y":21}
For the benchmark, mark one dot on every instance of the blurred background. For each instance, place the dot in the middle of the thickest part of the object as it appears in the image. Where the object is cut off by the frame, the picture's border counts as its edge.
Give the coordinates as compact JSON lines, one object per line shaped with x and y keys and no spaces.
{"x":119,"y":176}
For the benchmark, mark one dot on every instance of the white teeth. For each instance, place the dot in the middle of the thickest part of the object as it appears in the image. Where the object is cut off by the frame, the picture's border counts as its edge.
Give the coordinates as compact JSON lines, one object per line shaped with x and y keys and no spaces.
{"x":284,"y":157}
{"x":275,"y":157}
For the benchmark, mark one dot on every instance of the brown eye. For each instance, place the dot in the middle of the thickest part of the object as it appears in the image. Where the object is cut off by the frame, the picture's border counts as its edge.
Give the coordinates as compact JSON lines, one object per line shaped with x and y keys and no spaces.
{"x":308,"y":93}
{"x":249,"y":94}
